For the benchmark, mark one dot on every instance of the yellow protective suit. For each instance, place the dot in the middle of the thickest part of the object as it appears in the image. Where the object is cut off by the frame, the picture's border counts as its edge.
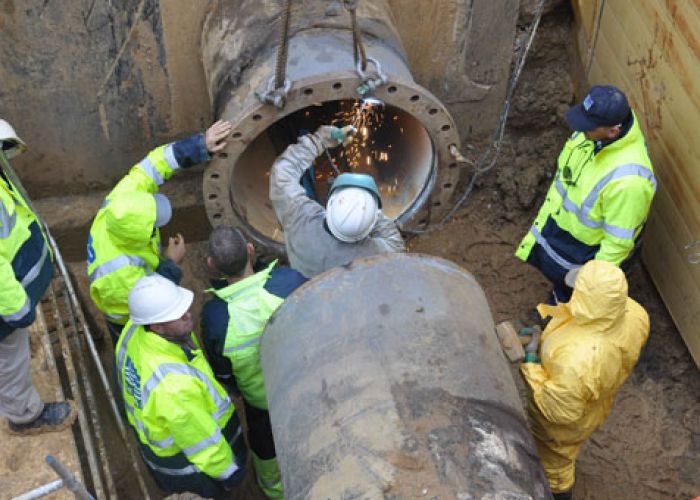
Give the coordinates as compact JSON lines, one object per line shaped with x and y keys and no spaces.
{"x":587,"y":351}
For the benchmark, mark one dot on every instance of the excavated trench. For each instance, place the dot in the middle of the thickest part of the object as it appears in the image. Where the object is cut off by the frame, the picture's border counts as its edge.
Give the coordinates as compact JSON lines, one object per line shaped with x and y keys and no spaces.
{"x":660,"y":399}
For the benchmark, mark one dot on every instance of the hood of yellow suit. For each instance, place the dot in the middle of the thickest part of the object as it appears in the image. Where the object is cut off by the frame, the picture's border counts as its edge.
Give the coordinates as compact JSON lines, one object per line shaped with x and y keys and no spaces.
{"x":600,"y":294}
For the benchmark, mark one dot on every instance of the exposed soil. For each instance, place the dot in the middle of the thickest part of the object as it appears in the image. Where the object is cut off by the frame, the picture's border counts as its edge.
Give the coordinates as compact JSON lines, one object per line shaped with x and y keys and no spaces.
{"x":650,"y":445}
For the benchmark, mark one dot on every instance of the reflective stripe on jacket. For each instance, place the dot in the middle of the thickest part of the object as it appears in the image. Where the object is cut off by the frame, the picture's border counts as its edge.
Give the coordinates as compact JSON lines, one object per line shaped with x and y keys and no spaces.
{"x":597,"y":201}
{"x":249,"y":308}
{"x":174,"y":403}
{"x":123,"y":245}
{"x":588,"y":349}
{"x":26,"y":266}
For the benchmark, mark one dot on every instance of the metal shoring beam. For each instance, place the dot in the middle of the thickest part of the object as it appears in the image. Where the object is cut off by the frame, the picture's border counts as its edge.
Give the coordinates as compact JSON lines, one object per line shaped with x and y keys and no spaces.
{"x":75,"y":390}
{"x":89,"y":396}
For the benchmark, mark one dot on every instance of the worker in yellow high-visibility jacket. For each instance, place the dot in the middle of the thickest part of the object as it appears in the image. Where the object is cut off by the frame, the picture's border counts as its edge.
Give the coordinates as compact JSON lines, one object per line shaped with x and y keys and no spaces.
{"x":26,"y":269}
{"x":603,"y":187}
{"x":187,"y":427}
{"x":232,"y":328}
{"x":586,"y":352}
{"x":124,"y":241}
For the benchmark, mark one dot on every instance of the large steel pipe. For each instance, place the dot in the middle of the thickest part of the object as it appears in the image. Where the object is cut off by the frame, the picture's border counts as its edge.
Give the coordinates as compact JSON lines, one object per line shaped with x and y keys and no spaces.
{"x":385,"y":379}
{"x":406,"y":146}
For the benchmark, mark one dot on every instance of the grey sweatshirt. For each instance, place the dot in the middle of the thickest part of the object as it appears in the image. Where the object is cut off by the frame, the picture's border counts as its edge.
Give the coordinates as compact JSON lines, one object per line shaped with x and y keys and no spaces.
{"x":310,"y":247}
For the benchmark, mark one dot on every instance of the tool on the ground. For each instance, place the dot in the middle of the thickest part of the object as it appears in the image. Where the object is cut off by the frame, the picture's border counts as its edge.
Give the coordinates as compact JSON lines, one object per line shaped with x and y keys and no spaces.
{"x":510,"y":343}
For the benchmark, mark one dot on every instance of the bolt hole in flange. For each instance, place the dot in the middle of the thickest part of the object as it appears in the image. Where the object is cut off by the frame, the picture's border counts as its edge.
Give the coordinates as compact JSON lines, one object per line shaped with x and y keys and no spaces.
{"x":391,"y":145}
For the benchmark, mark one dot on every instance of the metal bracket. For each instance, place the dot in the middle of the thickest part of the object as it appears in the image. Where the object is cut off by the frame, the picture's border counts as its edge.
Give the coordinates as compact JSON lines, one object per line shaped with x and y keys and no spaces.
{"x":693,"y":257}
{"x":275,"y":96}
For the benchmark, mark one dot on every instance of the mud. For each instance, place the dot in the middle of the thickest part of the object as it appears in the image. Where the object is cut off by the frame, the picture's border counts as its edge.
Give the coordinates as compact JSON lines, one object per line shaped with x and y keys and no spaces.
{"x":650,"y":445}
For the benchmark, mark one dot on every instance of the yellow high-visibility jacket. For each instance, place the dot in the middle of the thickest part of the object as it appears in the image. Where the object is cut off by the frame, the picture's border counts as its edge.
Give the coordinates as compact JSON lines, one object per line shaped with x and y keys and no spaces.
{"x":597,"y":203}
{"x":25,"y":261}
{"x":123,"y":245}
{"x":588,"y":349}
{"x":179,"y":411}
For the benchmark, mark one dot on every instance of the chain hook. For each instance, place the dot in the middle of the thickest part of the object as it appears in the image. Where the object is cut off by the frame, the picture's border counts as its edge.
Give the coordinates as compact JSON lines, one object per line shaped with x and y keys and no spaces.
{"x":371,"y":80}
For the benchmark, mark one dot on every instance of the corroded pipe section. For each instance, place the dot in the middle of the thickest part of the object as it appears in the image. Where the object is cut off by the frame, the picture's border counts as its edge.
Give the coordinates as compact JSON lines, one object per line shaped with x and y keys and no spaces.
{"x":239,"y":47}
{"x":385,"y":379}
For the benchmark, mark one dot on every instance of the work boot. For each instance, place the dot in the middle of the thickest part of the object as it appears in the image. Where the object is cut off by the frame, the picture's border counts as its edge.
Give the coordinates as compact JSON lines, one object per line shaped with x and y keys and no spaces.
{"x":54,"y":417}
{"x":566,"y":495}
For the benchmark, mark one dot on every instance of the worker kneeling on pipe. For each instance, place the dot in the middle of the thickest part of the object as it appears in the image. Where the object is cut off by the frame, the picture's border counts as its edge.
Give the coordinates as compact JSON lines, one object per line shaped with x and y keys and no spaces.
{"x":232,"y":326}
{"x":585,"y":354}
{"x":189,"y":433}
{"x":351,"y":226}
{"x":26,"y":269}
{"x":124,"y":241}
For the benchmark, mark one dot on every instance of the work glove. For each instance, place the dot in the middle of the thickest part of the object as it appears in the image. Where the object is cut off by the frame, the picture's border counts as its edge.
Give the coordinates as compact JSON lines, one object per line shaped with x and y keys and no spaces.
{"x":531,"y":348}
{"x":330,"y":136}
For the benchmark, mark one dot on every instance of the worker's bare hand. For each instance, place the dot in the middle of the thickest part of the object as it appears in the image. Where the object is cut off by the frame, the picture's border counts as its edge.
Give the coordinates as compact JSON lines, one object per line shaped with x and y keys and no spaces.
{"x":176,"y":248}
{"x":215,"y":136}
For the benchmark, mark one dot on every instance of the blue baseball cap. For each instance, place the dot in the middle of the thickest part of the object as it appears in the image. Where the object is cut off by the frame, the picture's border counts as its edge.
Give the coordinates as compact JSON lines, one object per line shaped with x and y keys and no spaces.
{"x":604,"y":106}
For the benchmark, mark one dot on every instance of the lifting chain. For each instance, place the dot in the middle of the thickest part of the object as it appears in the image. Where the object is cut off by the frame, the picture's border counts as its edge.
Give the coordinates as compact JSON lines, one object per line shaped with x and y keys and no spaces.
{"x":279,"y":85}
{"x":370,"y":79}
{"x":693,"y":257}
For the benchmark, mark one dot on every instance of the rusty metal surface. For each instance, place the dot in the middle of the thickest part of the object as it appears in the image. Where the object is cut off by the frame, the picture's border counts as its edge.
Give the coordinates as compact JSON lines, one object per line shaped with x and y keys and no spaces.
{"x":385,"y":377}
{"x":321,"y":68}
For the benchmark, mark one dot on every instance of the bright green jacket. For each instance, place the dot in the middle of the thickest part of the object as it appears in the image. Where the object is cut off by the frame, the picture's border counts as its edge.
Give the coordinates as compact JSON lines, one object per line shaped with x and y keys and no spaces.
{"x":598,"y":198}
{"x":123,"y":245}
{"x":24,"y":269}
{"x":174,"y":403}
{"x":249,"y":308}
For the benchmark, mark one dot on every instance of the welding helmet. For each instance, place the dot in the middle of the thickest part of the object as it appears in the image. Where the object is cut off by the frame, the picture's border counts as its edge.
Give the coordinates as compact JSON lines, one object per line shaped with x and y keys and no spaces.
{"x":10,"y":143}
{"x":353,"y":207}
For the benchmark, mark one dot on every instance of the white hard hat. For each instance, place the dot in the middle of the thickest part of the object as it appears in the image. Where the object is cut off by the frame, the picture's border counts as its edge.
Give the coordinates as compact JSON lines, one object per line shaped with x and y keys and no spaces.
{"x":10,"y":143}
{"x":351,"y":213}
{"x":155,"y":299}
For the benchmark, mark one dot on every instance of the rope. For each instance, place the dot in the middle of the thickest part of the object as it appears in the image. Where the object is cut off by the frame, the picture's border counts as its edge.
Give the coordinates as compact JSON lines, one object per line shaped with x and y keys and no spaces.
{"x":283,"y":48}
{"x":490,"y":156}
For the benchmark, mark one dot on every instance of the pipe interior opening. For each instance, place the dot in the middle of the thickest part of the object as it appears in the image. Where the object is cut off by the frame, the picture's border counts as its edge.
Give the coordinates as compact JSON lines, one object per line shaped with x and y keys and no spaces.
{"x":391,"y":145}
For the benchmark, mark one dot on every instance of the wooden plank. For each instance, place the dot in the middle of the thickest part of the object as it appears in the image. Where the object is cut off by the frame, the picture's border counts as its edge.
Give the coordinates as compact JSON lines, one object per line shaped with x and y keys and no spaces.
{"x":657,"y":63}
{"x":667,"y":143}
{"x":586,"y":12}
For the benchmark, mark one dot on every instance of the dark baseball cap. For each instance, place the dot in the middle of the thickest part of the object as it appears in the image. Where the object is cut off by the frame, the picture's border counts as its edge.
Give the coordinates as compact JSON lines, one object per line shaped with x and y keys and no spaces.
{"x":604,"y":106}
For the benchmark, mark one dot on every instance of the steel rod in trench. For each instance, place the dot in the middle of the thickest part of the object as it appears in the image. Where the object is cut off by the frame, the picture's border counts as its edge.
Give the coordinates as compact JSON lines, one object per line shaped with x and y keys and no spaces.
{"x":75,"y":390}
{"x":90,"y":397}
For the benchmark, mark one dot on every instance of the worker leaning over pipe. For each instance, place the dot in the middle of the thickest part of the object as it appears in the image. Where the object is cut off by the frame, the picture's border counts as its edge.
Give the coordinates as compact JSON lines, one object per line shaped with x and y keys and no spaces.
{"x":351,"y":225}
{"x":124,"y":243}
{"x":586,"y":352}
{"x":26,"y":270}
{"x":598,"y":202}
{"x":189,"y":433}
{"x":232,"y":326}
